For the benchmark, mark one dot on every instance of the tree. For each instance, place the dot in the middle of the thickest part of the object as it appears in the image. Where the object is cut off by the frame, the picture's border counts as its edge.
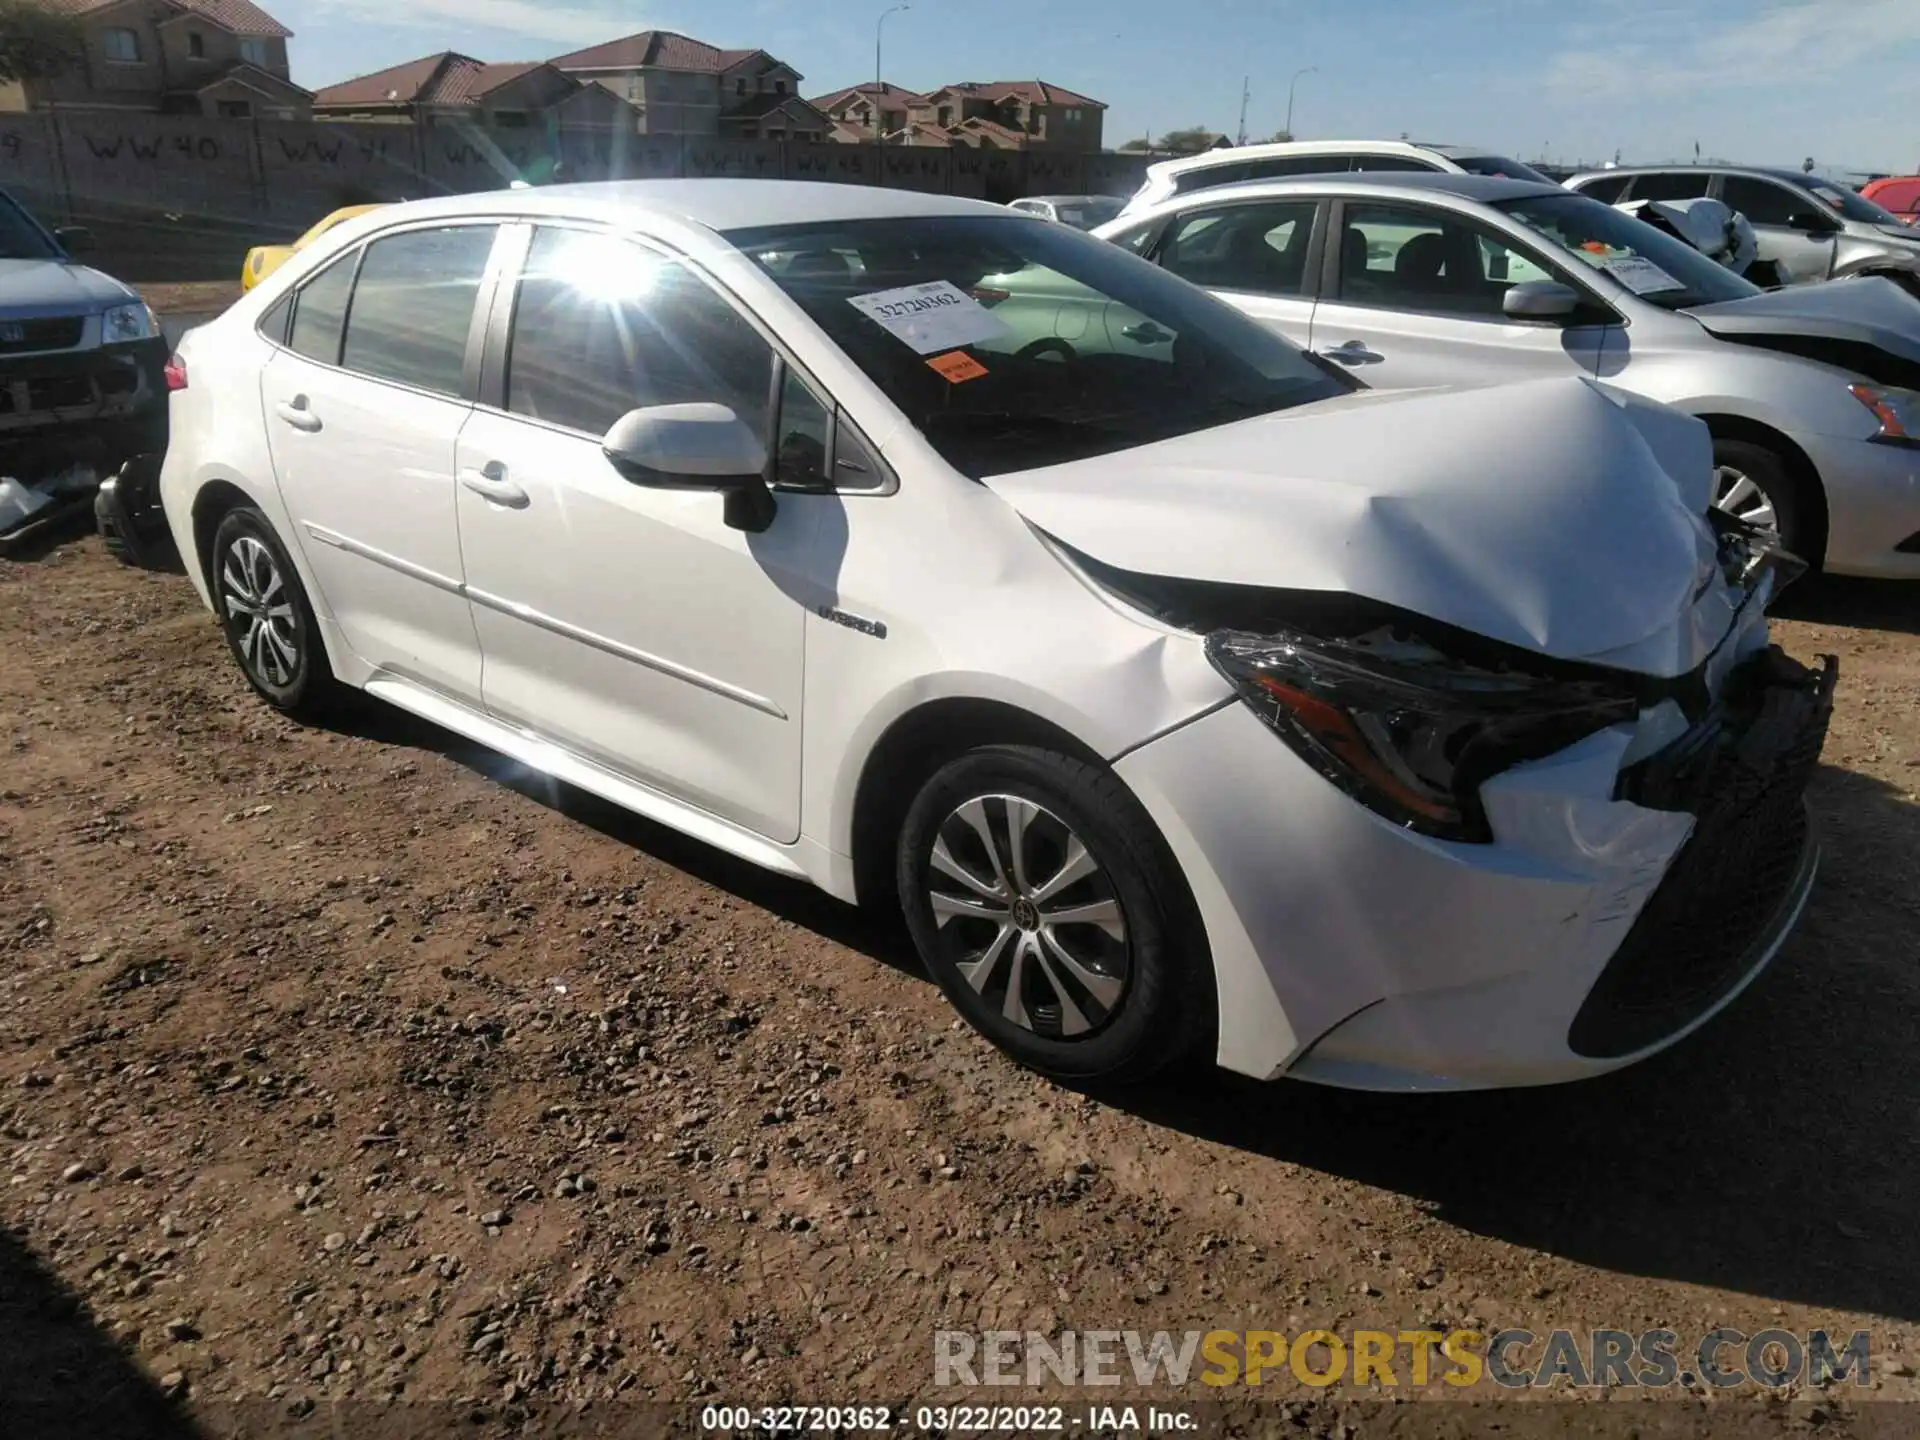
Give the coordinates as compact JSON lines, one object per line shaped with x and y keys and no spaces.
{"x":1279,"y":137}
{"x":1190,"y":141}
{"x":1137,"y":144}
{"x":36,"y":41}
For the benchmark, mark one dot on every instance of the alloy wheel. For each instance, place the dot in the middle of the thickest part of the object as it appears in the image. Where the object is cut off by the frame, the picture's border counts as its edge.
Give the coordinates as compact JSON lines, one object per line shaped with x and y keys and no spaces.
{"x":260,"y":613}
{"x":1735,"y":492}
{"x":1028,"y":917}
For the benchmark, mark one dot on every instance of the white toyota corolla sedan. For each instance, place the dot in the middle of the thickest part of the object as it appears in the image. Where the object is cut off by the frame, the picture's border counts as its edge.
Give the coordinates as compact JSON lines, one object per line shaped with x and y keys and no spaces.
{"x":1183,"y":692}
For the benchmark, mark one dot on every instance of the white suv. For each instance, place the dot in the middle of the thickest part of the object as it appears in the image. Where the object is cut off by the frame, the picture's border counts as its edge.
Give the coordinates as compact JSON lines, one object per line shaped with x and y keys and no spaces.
{"x":1182,"y":692}
{"x":1317,"y":157}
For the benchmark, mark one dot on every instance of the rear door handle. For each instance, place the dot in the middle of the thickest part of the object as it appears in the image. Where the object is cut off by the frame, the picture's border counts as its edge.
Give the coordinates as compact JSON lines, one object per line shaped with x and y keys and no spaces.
{"x":1147,"y":333}
{"x":1354,"y":352}
{"x":491,"y":483}
{"x":297,"y":414}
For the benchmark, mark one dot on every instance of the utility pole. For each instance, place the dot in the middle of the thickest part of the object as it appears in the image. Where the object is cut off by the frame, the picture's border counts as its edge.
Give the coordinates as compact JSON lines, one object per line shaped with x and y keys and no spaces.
{"x":880,"y":85}
{"x":1292,"y":85}
{"x":1246,"y":93}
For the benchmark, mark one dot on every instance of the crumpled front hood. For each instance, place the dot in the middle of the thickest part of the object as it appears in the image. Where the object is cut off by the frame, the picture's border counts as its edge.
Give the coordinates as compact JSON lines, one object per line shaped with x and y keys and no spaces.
{"x":1868,"y":310}
{"x":1557,"y":515}
{"x":55,"y":287}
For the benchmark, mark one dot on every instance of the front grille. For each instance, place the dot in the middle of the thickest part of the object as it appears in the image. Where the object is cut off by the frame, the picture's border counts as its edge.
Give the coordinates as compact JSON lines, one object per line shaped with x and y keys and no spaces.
{"x":22,"y":337}
{"x":1743,"y":773}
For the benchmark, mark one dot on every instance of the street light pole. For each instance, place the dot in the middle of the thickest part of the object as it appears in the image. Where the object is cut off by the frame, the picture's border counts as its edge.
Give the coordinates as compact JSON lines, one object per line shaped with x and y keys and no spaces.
{"x":1305,"y":70}
{"x":879,"y":85}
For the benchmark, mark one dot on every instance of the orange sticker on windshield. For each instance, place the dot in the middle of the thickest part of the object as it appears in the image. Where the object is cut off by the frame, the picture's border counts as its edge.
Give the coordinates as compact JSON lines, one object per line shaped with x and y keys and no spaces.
{"x":956,"y":366}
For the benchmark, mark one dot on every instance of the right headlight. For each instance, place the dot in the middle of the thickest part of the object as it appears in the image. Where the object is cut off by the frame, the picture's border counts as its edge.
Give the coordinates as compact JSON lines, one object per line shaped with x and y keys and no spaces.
{"x":1898,"y":411}
{"x":1405,"y":729}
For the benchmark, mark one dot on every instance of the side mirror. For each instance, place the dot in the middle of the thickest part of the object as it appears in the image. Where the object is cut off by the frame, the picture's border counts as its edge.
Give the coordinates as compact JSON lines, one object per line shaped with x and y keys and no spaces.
{"x":695,"y":447}
{"x":74,"y":239}
{"x":1541,"y":300}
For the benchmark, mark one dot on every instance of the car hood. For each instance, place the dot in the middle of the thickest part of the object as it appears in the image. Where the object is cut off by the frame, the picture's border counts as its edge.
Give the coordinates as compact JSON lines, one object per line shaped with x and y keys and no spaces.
{"x":1558,"y":515}
{"x":1866,"y":310}
{"x":56,"y":287}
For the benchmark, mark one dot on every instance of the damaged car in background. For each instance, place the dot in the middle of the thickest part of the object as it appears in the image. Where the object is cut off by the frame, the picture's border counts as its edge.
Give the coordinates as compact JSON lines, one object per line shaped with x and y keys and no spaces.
{"x":1811,"y":393}
{"x":82,"y":388}
{"x":1189,"y":698}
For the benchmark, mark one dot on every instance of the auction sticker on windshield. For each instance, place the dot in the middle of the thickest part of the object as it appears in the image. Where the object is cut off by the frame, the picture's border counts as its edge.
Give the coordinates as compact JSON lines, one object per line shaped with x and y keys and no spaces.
{"x":931,"y":317}
{"x":1641,"y":276}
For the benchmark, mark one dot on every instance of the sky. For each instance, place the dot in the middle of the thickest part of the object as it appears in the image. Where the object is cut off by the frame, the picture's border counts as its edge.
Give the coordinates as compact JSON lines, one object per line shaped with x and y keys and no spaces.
{"x":1760,"y":81}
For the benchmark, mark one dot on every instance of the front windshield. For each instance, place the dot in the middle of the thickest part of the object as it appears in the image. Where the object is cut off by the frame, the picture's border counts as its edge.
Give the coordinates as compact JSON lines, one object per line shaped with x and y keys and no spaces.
{"x":1854,"y":207}
{"x":1659,"y":269}
{"x":1502,"y":168}
{"x":1011,"y":345}
{"x":20,"y":237}
{"x":1086,"y":214}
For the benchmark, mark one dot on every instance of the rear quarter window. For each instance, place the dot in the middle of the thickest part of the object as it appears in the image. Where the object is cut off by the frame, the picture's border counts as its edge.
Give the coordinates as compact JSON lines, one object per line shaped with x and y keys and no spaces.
{"x":1607,"y":189}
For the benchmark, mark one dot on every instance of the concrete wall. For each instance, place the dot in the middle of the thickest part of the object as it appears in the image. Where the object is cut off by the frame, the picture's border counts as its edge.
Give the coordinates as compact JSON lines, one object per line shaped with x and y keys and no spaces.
{"x":184,"y":198}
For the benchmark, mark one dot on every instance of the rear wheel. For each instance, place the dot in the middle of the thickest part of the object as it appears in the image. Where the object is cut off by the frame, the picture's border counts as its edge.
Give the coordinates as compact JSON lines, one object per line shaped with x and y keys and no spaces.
{"x":1044,"y":903}
{"x":1754,"y":484}
{"x":270,"y":625}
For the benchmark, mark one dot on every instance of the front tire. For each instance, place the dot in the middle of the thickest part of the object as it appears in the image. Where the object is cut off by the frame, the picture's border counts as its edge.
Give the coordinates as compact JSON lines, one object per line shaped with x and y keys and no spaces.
{"x":1046,"y":906}
{"x":1753,"y":483}
{"x":269,"y":623}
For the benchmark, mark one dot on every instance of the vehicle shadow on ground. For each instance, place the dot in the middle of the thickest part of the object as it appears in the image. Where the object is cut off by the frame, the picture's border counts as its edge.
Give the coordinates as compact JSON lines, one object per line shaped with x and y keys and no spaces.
{"x":878,"y":934}
{"x":1860,"y":604}
{"x":1770,"y":1153}
{"x":60,"y":1377}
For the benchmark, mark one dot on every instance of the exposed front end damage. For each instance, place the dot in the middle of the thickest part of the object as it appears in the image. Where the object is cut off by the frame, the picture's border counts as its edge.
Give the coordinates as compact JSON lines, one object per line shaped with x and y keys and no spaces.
{"x":1432,"y":859}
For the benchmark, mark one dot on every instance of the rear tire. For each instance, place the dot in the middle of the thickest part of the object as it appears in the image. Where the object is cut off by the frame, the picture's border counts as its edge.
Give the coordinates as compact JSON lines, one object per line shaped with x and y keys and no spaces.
{"x":269,"y":623}
{"x":1064,"y":932}
{"x":1754,"y":483}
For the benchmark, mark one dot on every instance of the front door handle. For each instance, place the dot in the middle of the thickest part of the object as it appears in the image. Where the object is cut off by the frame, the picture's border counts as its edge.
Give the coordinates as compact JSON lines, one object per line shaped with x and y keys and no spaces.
{"x":491,"y":483}
{"x":298,"y":414}
{"x":1354,"y":352}
{"x":1147,"y":333}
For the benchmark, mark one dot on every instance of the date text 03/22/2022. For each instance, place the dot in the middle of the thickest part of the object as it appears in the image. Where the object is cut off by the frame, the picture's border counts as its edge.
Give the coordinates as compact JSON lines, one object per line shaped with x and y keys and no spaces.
{"x":947,"y":1419}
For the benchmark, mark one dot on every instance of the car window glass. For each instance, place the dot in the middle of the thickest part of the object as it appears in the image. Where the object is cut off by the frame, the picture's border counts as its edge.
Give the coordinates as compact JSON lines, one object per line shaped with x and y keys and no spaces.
{"x":1671,"y":185}
{"x":1137,"y":238}
{"x":805,"y":425}
{"x":20,"y":237}
{"x":1502,"y":168}
{"x":413,"y":306}
{"x":1391,"y":162}
{"x":854,"y":465}
{"x":1607,"y":190}
{"x":1402,"y":257}
{"x":1260,"y":249}
{"x":273,"y":324}
{"x":320,"y":312}
{"x":1658,"y":268}
{"x":1761,"y":201}
{"x":602,"y":327}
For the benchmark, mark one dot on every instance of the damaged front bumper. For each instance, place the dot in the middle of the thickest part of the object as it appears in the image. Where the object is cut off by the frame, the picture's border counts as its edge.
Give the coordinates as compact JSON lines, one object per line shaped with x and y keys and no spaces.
{"x":99,"y":407}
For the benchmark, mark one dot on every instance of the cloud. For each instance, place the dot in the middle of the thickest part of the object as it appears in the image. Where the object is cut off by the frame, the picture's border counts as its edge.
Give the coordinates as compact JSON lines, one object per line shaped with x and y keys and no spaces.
{"x":1797,"y":42}
{"x":534,"y":20}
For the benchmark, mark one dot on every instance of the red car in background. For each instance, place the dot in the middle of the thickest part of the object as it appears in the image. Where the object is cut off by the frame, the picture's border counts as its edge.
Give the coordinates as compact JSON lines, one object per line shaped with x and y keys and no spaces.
{"x":1898,"y":193}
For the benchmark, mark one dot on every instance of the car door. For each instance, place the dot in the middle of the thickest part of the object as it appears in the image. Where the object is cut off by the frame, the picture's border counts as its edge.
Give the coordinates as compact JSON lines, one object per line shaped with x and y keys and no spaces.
{"x":1788,"y":227}
{"x":631,"y":624}
{"x":1253,"y":253}
{"x":363,"y":406}
{"x":1417,"y":302}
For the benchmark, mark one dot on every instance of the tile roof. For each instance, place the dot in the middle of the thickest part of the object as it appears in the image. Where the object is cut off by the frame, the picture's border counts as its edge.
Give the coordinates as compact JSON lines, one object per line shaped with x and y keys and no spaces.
{"x":657,"y":49}
{"x":976,"y":125}
{"x":885,"y":89}
{"x":448,"y":78}
{"x":1034,"y":92}
{"x":242,"y":17}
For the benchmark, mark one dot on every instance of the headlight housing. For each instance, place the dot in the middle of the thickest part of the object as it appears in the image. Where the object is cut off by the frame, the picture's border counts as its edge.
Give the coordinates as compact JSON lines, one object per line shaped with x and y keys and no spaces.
{"x":1898,"y":411}
{"x":1406,"y":730}
{"x":127,"y":322}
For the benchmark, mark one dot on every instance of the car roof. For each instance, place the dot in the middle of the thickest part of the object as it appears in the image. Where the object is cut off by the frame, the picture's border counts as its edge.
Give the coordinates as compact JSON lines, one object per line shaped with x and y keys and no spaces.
{"x":1310,"y":147}
{"x":1071,"y":199}
{"x":1770,"y":172}
{"x":715,"y":204}
{"x":1486,"y":189}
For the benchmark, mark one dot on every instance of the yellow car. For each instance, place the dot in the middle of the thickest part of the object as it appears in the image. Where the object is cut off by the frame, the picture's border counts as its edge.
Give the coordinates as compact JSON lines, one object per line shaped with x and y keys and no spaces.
{"x":263,"y":260}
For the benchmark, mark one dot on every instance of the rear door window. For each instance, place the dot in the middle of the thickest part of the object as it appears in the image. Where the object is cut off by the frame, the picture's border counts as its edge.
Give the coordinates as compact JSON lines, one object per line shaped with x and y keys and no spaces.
{"x":1671,"y":185}
{"x":413,"y":306}
{"x":320,"y":312}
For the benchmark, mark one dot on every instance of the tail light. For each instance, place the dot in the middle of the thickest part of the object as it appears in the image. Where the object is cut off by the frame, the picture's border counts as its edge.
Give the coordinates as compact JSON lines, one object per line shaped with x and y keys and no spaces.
{"x":176,"y":373}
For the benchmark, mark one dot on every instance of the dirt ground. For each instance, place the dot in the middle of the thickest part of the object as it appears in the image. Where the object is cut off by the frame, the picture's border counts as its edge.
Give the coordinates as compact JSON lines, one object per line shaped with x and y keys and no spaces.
{"x":340,"y":1065}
